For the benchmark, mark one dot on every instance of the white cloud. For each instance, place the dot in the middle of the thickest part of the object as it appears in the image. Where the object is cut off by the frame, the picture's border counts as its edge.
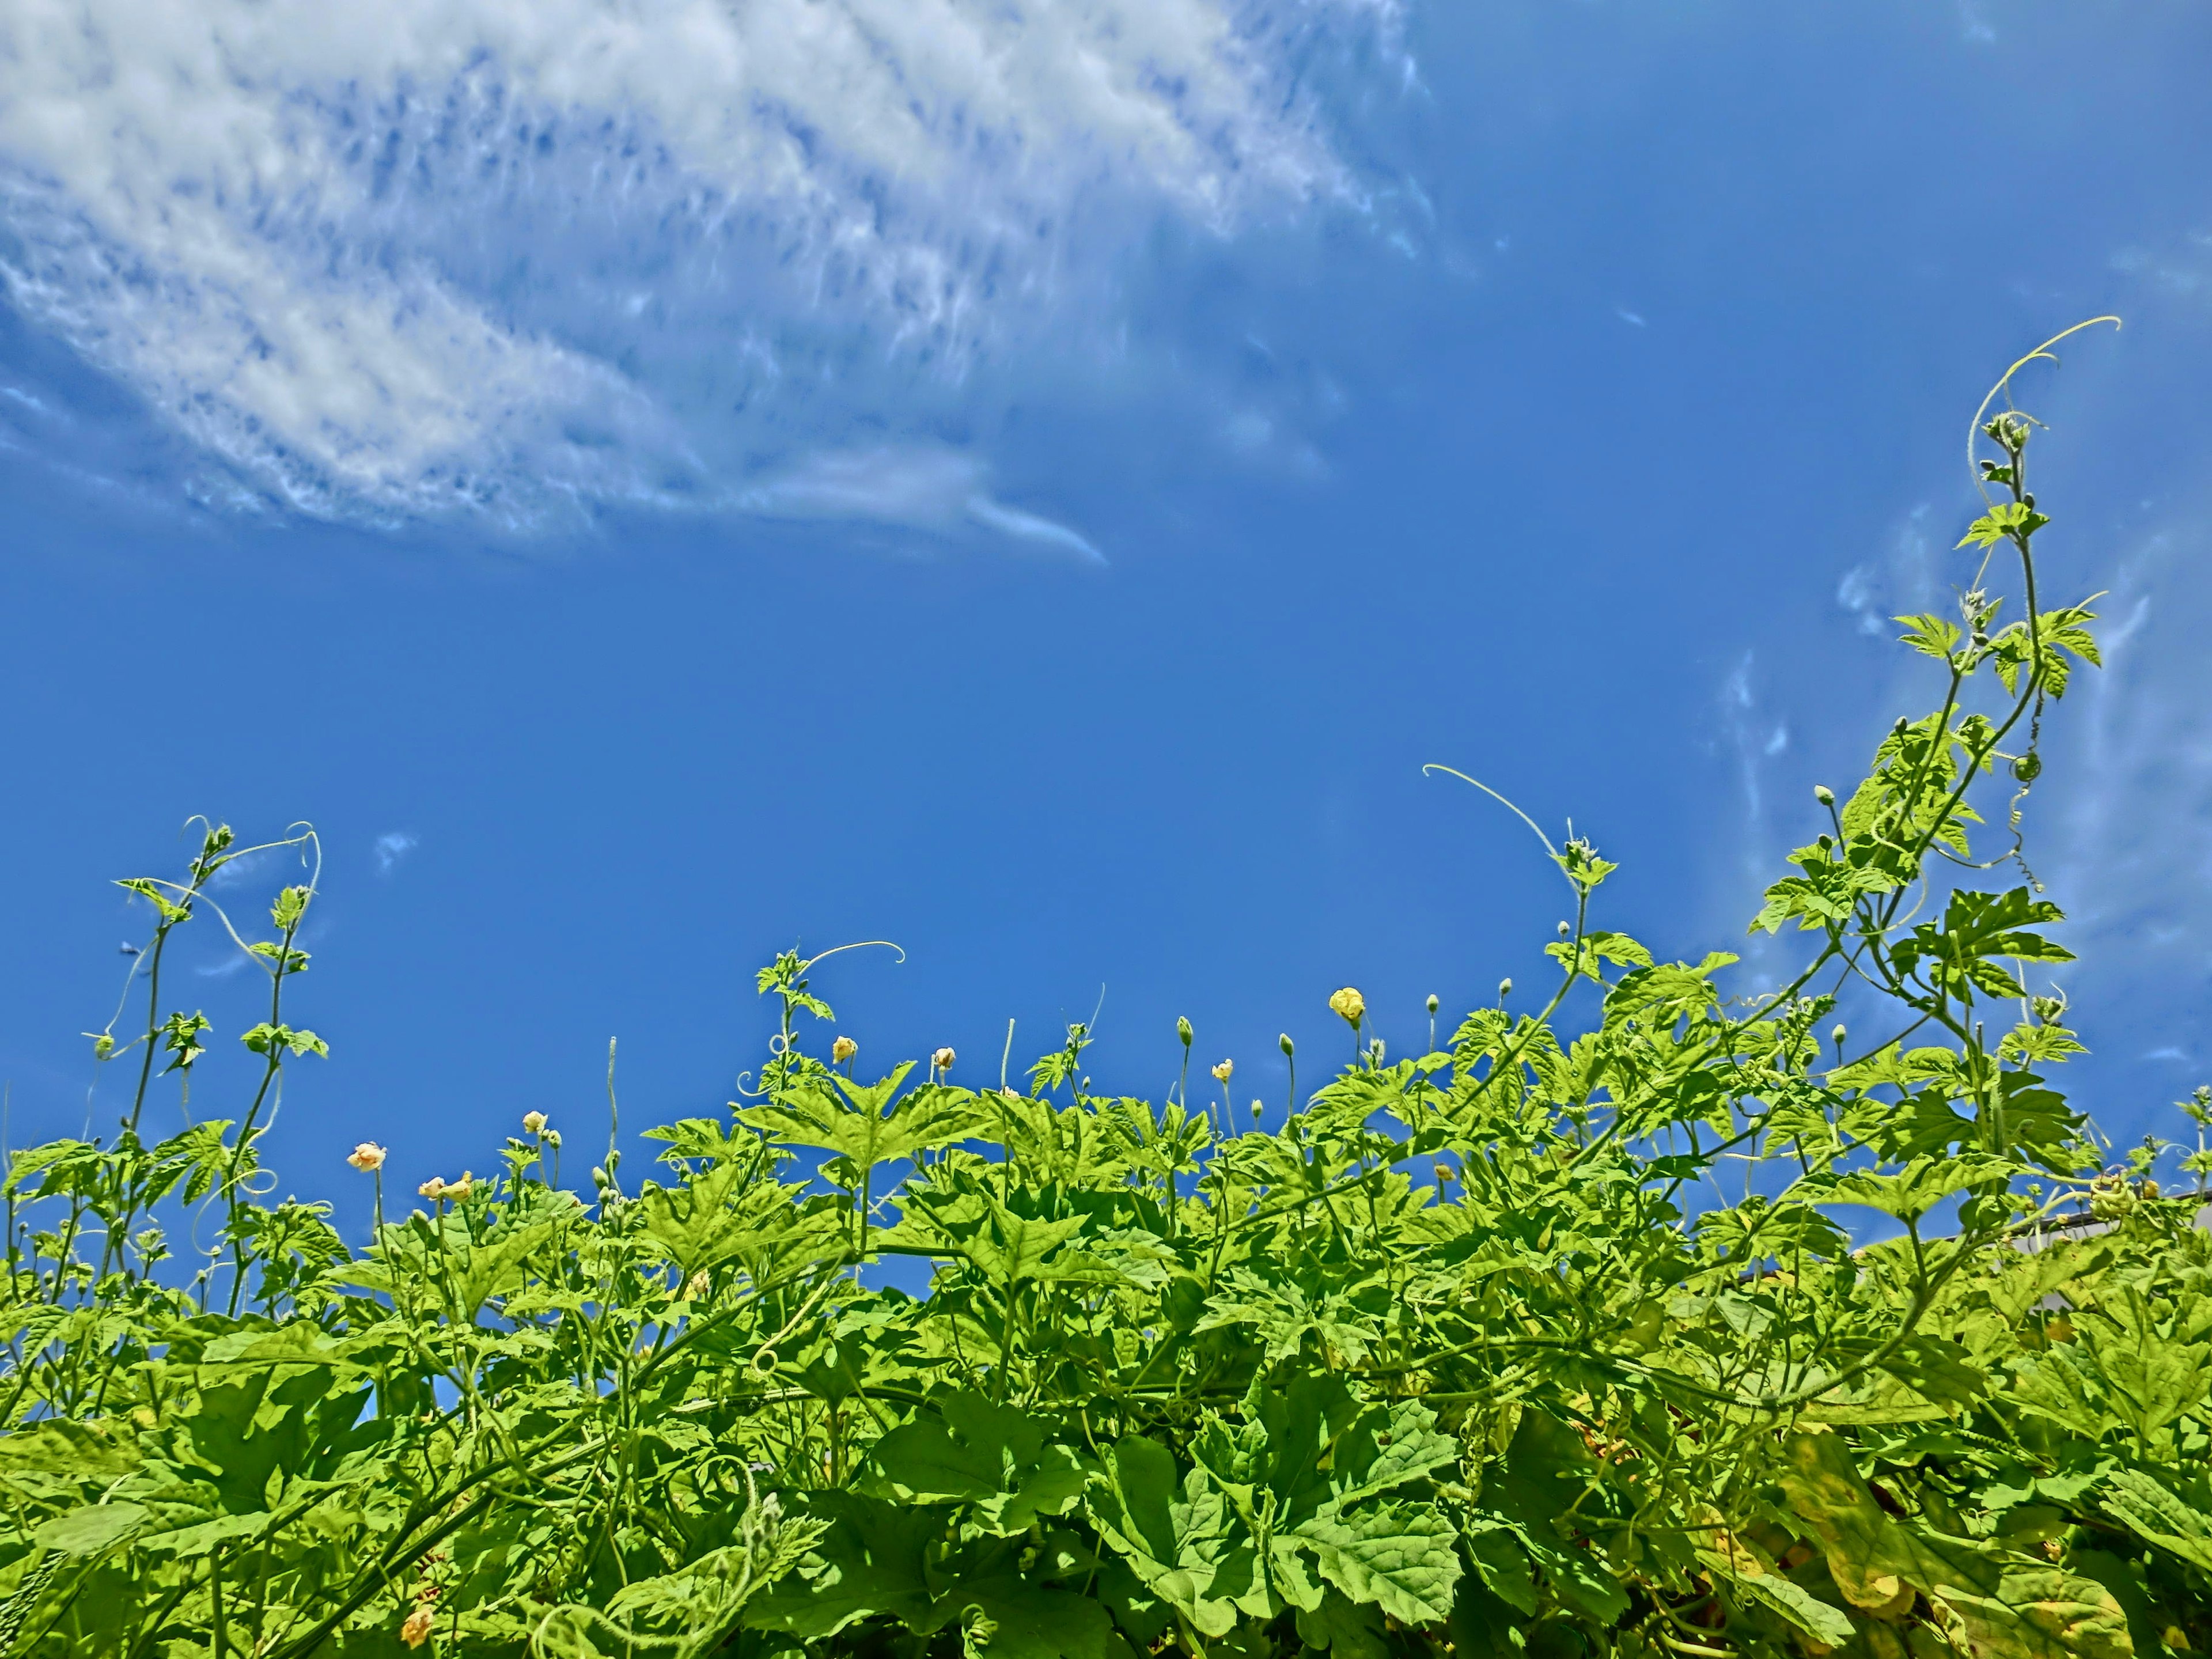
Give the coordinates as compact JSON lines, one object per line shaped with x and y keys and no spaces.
{"x":2129,"y":823}
{"x":246,"y":869}
{"x":1756,"y":740}
{"x":921,"y":488}
{"x":517,"y":258}
{"x":391,"y":847}
{"x":1874,"y":593}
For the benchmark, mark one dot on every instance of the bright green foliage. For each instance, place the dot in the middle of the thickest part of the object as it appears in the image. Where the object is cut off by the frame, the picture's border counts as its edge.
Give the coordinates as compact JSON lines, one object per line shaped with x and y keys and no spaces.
{"x":1550,"y":1341}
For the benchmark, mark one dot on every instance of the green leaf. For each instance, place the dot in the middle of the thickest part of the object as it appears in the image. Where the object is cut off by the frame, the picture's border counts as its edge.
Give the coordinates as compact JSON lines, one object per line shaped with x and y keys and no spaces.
{"x":1401,"y":1557}
{"x":92,"y":1530}
{"x":152,"y":892}
{"x":2010,"y":1606}
{"x":1545,"y":1474}
{"x":1006,"y":1617}
{"x":1345,"y":1628}
{"x":2007,"y":518}
{"x":478,"y":1273}
{"x":1980,"y":931}
{"x":1912,"y":1192}
{"x":866,"y":1124}
{"x":64,"y":1446}
{"x":1174,"y":1533}
{"x":267,"y":1039}
{"x":705,"y":1221}
{"x":1931,"y":635}
{"x":868,"y":1560}
{"x":2159,"y":1516}
{"x":1502,"y":1564}
{"x":992,"y":1458}
{"x":1756,"y":1579}
{"x":1016,"y":1249}
{"x":291,"y":905}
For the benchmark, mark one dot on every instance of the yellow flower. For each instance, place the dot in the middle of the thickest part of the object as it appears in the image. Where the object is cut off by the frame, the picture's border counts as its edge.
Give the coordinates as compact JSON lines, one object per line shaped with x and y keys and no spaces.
{"x":458,"y":1190}
{"x":1349,"y":1006}
{"x":1223,"y":1072}
{"x":368,"y":1157}
{"x":941,"y":1061}
{"x":417,"y":1630}
{"x":433,"y":1188}
{"x":843,"y":1049}
{"x":533,"y":1123}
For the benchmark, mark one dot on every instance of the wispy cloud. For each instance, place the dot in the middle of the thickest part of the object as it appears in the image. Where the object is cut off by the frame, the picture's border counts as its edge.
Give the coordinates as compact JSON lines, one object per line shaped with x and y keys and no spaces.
{"x":1756,"y":738}
{"x":2129,"y":825}
{"x":924,"y":487}
{"x":520,"y":262}
{"x":390,"y":847}
{"x":2182,"y":267}
{"x":1877,"y":589}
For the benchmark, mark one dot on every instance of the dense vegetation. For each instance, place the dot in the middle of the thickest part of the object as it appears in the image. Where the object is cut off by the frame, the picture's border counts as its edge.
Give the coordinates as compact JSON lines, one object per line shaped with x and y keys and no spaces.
{"x":1549,"y":1339}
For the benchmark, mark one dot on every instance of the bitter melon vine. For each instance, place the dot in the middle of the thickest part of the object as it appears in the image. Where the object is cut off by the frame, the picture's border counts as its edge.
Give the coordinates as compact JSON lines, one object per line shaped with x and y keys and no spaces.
{"x":1551,"y":1340}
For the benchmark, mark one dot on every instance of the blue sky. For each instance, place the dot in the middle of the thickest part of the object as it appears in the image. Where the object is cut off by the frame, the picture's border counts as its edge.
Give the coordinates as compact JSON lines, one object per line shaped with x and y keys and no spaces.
{"x":652,"y":485}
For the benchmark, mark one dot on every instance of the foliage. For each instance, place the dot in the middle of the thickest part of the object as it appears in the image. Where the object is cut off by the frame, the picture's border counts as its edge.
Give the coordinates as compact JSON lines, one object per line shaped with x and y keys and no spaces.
{"x":1469,"y":1350}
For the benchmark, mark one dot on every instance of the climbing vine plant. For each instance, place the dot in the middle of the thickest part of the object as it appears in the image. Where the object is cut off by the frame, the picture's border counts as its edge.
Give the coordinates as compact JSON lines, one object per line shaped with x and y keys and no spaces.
{"x":1465,"y":1350}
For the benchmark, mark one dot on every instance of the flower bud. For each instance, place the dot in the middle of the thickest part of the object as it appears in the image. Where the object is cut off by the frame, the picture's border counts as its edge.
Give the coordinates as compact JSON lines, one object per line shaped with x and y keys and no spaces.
{"x":1256,"y":1110}
{"x":458,"y":1190}
{"x":1435,"y":1003}
{"x":1184,"y":1031}
{"x":1225,"y":1071}
{"x":533,"y":1123}
{"x":553,"y":1138}
{"x":1565,"y":930}
{"x":1504,"y":989}
{"x":1823,"y":794}
{"x":1288,"y":1048}
{"x":433,"y":1188}
{"x":1349,"y":1006}
{"x":599,"y":1175}
{"x":843,"y":1049}
{"x":941,"y":1061}
{"x":1838,"y":1036}
{"x":368,"y":1157}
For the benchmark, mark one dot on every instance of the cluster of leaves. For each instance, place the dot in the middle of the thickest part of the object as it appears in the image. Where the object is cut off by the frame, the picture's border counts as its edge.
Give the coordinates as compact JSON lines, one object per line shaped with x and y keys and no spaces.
{"x":1464,"y":1350}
